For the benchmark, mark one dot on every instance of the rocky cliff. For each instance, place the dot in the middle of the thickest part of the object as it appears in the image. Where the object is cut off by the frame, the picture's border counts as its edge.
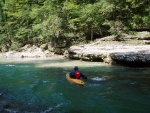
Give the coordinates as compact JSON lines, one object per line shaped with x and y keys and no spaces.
{"x":123,"y":50}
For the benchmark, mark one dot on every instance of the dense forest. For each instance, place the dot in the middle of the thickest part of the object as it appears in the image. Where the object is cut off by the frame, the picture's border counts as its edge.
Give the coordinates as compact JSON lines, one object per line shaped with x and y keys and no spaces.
{"x":40,"y":21}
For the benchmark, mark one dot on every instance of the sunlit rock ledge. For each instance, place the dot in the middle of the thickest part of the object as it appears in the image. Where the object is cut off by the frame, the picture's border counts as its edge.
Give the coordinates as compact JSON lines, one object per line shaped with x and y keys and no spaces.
{"x":137,"y":55}
{"x":28,"y":51}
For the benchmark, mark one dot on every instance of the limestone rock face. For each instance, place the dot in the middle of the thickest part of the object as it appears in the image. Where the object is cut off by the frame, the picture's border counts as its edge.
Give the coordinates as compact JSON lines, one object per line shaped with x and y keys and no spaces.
{"x":121,"y":49}
{"x":112,"y":54}
{"x":27,"y":51}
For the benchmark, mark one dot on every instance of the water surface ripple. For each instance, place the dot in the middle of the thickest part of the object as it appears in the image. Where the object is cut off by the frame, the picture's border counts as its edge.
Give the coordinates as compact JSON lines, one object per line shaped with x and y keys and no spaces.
{"x":40,"y":86}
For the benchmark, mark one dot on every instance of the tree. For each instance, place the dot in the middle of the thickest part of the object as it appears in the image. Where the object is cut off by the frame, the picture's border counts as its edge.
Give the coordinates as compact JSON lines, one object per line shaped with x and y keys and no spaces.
{"x":41,"y":21}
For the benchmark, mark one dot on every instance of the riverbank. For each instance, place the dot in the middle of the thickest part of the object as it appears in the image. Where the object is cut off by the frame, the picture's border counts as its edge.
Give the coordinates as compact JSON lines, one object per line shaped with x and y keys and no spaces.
{"x":130,"y":50}
{"x":138,"y":55}
{"x":115,"y":50}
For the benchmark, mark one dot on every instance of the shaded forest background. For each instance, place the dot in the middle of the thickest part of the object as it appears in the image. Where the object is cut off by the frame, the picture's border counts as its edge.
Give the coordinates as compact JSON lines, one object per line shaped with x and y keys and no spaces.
{"x":40,"y":21}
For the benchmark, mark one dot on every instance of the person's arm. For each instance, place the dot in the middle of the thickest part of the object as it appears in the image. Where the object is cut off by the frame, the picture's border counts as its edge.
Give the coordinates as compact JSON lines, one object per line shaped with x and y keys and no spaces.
{"x":72,"y":74}
{"x":83,"y":76}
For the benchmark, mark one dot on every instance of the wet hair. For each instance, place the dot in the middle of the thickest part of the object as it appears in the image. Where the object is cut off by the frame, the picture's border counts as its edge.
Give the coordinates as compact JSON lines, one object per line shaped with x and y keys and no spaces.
{"x":76,"y":68}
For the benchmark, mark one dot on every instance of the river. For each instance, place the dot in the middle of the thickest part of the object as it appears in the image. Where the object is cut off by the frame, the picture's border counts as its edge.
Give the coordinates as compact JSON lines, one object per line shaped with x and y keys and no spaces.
{"x":40,"y":86}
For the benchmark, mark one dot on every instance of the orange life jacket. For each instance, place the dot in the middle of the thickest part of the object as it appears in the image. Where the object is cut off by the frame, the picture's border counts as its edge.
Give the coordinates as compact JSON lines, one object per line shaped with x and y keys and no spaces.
{"x":77,"y":74}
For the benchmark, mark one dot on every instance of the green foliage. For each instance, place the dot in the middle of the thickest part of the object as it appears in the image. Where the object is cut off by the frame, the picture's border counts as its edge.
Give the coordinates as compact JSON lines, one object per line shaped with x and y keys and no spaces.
{"x":14,"y":45}
{"x":41,"y":21}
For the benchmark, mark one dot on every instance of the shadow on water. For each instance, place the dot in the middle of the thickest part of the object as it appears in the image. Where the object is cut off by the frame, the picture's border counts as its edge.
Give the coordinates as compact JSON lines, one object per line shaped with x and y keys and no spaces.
{"x":41,"y":86}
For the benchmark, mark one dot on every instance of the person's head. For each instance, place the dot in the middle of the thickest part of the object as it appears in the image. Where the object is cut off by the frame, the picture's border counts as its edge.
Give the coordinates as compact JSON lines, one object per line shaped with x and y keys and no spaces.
{"x":76,"y":68}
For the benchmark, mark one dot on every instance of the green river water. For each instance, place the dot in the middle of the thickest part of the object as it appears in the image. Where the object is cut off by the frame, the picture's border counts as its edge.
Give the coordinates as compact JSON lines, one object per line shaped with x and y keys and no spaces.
{"x":40,"y":86}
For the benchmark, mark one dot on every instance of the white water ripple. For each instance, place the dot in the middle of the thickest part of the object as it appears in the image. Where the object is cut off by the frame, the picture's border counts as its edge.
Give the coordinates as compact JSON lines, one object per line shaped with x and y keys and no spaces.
{"x":53,"y":108}
{"x":98,"y":79}
{"x":10,"y":65}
